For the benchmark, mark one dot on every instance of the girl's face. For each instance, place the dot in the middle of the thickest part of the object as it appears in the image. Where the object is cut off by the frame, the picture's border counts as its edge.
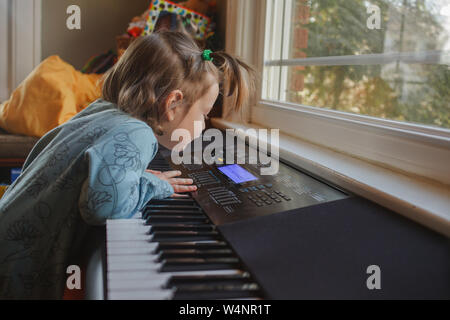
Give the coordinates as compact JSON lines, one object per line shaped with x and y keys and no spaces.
{"x":185,"y":117}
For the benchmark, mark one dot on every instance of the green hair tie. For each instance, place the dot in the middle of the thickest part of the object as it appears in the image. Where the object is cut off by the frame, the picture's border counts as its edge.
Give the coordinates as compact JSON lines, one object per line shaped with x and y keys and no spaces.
{"x":206,"y":55}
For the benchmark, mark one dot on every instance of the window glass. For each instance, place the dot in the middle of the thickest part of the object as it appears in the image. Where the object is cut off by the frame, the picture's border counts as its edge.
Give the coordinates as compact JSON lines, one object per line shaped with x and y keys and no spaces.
{"x":382,"y":58}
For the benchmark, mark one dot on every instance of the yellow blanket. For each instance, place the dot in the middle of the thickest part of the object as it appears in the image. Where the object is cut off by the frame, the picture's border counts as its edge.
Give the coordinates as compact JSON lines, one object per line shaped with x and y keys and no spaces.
{"x":51,"y":94}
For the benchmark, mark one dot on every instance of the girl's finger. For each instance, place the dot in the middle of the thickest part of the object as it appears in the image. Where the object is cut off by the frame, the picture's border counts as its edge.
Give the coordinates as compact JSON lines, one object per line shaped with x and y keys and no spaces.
{"x":178,"y":188}
{"x":170,"y":174}
{"x":176,"y":195}
{"x":180,"y":181}
{"x":153,"y":171}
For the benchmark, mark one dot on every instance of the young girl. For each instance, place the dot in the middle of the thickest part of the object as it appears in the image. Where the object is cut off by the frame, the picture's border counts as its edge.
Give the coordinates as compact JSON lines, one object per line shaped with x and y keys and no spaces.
{"x":93,"y":167}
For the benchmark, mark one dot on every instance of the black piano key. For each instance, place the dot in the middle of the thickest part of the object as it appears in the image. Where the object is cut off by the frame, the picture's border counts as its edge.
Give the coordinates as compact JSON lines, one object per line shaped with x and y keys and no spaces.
{"x":179,"y":236}
{"x":212,"y":293}
{"x":191,"y":245}
{"x":173,"y":201}
{"x":246,"y":285}
{"x":176,"y":219}
{"x":186,"y":208}
{"x":198,"y":264}
{"x":196,"y":279}
{"x":166,"y":254}
{"x":183,"y":227}
{"x":197,"y":251}
{"x":175,"y":212}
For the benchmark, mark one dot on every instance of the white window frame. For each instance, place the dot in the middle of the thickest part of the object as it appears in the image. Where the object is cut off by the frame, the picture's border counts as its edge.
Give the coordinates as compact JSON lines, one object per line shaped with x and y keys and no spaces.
{"x":20,"y":42}
{"x":416,"y":150}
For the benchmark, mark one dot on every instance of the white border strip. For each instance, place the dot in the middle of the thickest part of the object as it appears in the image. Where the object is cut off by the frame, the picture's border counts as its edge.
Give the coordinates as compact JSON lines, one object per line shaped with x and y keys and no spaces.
{"x":4,"y":54}
{"x":26,"y":39}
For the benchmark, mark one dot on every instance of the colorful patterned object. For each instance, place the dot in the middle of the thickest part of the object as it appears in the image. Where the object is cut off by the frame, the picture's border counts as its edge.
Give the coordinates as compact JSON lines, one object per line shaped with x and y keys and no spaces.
{"x":198,"y":19}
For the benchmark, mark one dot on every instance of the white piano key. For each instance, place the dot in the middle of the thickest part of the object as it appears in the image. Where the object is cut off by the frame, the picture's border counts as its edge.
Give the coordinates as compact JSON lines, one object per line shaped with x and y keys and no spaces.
{"x":128,"y":227}
{"x":141,"y":295}
{"x":154,"y":273}
{"x":131,"y":244}
{"x":114,"y":228}
{"x":148,"y":284}
{"x":132,"y":266}
{"x":144,"y":250}
{"x":136,"y":275}
{"x":126,"y":236}
{"x":223,"y":272}
{"x":139,"y":258}
{"x":124,"y":221}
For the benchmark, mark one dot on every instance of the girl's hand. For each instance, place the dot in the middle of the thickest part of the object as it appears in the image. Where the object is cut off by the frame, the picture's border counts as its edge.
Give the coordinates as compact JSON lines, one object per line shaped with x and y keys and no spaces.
{"x":179,"y":184}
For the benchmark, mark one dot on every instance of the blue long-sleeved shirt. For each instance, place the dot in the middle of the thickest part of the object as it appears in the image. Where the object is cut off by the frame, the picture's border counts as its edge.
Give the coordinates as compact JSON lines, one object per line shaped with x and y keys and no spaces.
{"x":90,"y":169}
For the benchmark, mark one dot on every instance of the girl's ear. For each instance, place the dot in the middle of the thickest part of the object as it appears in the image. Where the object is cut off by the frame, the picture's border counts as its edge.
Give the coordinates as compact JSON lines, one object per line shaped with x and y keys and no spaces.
{"x":173,"y":100}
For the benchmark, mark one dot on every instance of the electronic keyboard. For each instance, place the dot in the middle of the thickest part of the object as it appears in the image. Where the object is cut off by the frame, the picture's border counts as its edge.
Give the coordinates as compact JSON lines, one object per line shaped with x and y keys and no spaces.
{"x":243,"y":235}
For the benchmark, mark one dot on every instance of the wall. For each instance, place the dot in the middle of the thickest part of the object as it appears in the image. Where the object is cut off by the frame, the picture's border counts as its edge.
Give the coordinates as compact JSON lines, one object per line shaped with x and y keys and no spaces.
{"x":101,"y":22}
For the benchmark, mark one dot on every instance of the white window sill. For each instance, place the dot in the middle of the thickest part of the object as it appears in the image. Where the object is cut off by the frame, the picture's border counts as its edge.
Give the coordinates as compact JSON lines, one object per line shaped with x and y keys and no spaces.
{"x":424,"y":201}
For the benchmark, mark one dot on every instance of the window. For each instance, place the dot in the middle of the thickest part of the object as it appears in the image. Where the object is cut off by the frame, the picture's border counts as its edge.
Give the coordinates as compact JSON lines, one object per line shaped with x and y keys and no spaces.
{"x":398,"y":159}
{"x":380,"y":95}
{"x":388,"y":59}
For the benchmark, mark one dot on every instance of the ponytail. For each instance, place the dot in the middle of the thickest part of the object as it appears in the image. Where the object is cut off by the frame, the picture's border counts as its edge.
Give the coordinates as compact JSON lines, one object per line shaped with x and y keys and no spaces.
{"x":238,"y":79}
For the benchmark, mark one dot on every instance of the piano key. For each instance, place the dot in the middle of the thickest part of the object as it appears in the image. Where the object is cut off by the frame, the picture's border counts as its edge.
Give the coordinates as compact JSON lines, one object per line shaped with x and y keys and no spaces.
{"x":175,"y":212}
{"x":189,"y":264}
{"x":129,"y":228}
{"x":183,"y":227}
{"x":141,"y":295}
{"x":137,"y":258}
{"x":131,"y":236}
{"x":162,"y":236}
{"x":174,"y":201}
{"x":164,"y":207}
{"x":144,"y":250}
{"x":131,"y":244}
{"x":133,"y":266}
{"x":121,"y":275}
{"x":191,"y":245}
{"x":152,"y":278}
{"x":247,"y":286}
{"x":210,"y":293}
{"x":177,"y":280}
{"x":124,"y":222}
{"x":148,"y":284}
{"x":176,"y":219}
{"x":195,"y":253}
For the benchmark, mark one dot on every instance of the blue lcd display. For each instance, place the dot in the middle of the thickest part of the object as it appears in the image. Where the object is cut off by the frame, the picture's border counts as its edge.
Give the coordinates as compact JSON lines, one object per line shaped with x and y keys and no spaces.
{"x":237,"y":173}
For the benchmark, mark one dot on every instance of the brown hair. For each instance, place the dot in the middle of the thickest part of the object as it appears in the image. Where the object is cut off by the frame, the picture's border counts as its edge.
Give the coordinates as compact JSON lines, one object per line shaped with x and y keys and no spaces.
{"x":164,"y":61}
